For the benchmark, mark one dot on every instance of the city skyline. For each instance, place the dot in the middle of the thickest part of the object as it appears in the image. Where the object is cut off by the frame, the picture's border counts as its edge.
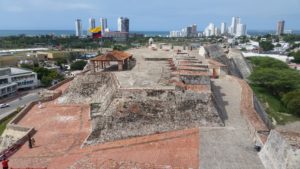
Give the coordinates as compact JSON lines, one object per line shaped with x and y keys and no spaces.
{"x":20,"y":15}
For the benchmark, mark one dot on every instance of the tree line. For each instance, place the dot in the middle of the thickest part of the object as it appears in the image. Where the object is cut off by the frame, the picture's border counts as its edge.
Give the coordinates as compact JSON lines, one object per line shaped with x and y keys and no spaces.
{"x":279,"y":80}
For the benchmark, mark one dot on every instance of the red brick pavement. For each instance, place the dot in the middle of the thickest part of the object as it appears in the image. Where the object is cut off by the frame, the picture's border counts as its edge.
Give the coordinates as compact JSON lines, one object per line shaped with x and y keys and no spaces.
{"x":61,"y":130}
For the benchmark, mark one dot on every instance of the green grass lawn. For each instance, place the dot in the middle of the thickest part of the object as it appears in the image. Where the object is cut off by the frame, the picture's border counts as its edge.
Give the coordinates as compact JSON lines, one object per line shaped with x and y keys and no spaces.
{"x":4,"y":122}
{"x":274,"y":106}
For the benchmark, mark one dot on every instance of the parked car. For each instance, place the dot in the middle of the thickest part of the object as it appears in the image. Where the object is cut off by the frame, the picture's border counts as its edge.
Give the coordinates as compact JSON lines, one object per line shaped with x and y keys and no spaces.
{"x":4,"y":105}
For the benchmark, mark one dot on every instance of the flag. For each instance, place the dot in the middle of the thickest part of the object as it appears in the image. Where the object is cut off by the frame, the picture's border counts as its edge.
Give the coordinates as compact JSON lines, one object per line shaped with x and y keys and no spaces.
{"x":96,"y":32}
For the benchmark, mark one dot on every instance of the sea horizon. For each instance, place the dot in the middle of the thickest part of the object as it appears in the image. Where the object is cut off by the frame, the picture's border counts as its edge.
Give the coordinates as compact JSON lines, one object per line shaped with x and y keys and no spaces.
{"x":57,"y":32}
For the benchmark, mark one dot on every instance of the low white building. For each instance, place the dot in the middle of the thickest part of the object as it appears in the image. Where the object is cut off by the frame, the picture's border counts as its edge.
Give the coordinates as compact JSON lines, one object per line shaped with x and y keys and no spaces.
{"x":12,"y":79}
{"x":282,"y":58}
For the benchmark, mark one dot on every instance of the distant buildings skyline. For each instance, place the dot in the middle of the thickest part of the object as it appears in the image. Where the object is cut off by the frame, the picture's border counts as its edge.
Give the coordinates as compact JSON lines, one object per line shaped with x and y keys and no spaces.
{"x":123,"y":26}
{"x":235,"y":29}
{"x":189,"y":31}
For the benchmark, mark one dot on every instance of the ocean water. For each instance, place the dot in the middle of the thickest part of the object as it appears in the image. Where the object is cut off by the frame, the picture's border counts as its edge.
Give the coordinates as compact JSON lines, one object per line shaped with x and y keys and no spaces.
{"x":4,"y":33}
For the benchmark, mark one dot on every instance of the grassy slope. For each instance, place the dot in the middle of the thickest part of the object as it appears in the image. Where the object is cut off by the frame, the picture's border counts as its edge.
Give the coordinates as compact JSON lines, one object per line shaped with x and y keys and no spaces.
{"x":4,"y":122}
{"x":274,"y":106}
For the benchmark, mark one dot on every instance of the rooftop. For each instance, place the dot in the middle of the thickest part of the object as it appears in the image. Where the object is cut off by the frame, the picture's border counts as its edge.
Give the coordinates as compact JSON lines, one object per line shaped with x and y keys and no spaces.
{"x":16,"y":71}
{"x":113,"y":56}
{"x":147,"y":73}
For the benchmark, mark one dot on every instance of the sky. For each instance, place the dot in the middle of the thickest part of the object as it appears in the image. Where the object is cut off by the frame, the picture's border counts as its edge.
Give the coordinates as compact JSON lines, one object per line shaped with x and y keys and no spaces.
{"x":147,"y":15}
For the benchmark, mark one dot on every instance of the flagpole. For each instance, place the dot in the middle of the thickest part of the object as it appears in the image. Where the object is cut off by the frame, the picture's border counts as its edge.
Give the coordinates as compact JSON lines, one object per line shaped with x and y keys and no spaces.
{"x":101,"y":43}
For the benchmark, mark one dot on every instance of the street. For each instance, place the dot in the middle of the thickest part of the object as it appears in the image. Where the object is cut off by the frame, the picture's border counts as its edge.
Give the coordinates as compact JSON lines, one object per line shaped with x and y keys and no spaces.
{"x":13,"y":105}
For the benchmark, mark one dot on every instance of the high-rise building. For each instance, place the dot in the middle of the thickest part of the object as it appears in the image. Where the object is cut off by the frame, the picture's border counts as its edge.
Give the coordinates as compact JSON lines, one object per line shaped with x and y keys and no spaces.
{"x":78,"y":28}
{"x":103,"y":23}
{"x":189,"y":31}
{"x":280,"y":27}
{"x":176,"y":34}
{"x":223,"y":28}
{"x":217,"y":31}
{"x":210,"y":30}
{"x":92,"y":25}
{"x":234,"y":22}
{"x":230,"y":30}
{"x":194,"y":30}
{"x":123,"y":24}
{"x":241,"y":30}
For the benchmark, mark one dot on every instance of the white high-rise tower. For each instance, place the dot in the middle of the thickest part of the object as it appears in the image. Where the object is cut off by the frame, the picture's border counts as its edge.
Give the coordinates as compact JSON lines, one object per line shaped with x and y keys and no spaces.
{"x":78,"y":28}
{"x":103,"y":23}
{"x":223,"y":28}
{"x":241,"y":30}
{"x":92,"y":25}
{"x":234,"y":22}
{"x":123,"y":24}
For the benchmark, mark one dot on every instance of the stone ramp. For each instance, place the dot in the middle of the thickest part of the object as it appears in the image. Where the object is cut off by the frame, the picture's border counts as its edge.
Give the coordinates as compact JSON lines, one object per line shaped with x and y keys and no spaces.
{"x":230,"y":147}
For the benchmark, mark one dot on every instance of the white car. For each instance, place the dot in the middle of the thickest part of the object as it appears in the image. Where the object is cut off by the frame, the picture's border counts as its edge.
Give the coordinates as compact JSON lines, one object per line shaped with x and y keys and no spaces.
{"x":4,"y":105}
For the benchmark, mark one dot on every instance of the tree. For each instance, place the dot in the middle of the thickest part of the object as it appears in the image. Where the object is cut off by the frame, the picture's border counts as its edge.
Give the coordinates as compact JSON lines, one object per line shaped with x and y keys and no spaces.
{"x":120,"y":47}
{"x":78,"y":65}
{"x":46,"y":80}
{"x":296,"y":56}
{"x":266,"y":45}
{"x":267,"y":62}
{"x":276,"y":81}
{"x":291,"y":38}
{"x":27,"y":66}
{"x":47,"y":76}
{"x":292,"y":102}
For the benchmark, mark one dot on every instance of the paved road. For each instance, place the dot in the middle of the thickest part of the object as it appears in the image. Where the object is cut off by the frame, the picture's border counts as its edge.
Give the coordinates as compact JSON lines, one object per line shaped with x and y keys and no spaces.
{"x":18,"y":103}
{"x":228,"y":147}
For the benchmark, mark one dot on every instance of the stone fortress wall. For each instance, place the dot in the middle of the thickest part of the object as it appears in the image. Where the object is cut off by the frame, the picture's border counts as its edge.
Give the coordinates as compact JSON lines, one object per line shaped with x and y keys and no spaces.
{"x":118,"y":112}
{"x":280,"y":150}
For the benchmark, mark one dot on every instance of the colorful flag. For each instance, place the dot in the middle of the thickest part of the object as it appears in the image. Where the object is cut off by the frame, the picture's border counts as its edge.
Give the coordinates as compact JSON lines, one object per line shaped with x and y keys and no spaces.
{"x":96,"y":32}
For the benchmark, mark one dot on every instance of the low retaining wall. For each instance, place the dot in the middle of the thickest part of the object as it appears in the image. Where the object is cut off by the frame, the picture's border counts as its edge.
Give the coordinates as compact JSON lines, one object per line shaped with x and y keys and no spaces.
{"x":15,"y":146}
{"x":22,"y":113}
{"x":277,"y":153}
{"x":60,"y":83}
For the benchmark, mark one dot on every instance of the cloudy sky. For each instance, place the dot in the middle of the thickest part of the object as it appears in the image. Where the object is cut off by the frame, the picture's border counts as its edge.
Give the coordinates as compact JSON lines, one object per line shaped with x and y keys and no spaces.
{"x":147,"y":14}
